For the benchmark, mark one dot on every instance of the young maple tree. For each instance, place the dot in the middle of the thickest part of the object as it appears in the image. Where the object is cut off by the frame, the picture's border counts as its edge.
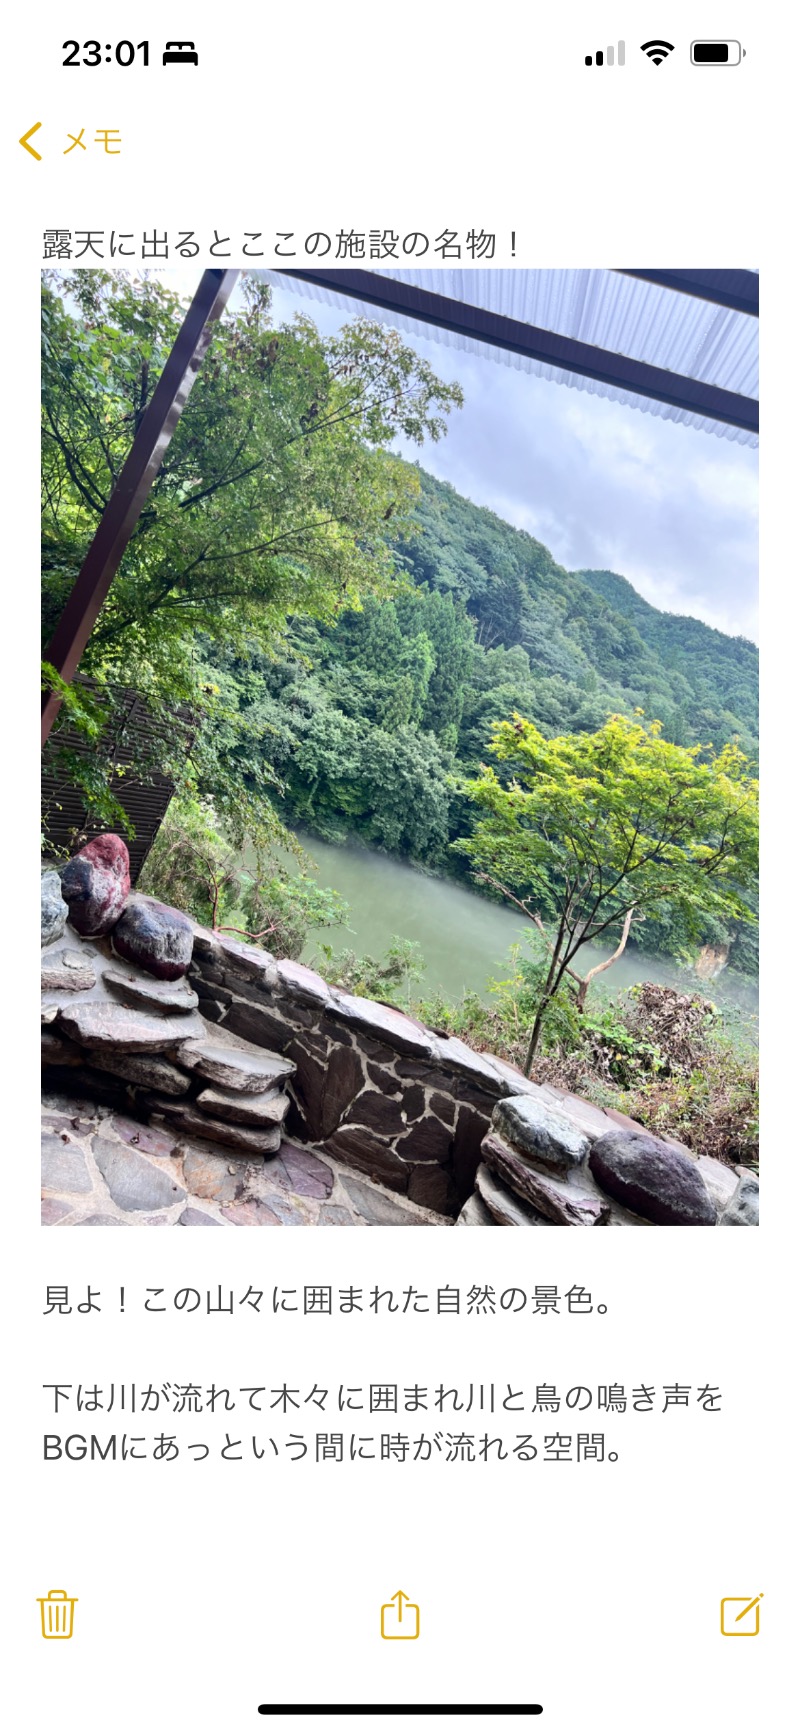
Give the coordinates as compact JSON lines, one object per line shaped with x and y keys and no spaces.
{"x":587,"y":831}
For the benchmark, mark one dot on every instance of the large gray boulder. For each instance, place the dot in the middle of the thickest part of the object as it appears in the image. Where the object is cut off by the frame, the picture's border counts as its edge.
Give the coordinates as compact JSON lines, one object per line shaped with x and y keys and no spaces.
{"x":54,"y":908}
{"x":540,"y":1132}
{"x":653,"y":1178}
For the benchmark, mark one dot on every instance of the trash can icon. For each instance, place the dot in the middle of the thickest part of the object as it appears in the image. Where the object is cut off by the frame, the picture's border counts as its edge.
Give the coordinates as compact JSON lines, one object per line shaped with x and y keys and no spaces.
{"x":58,"y":1611}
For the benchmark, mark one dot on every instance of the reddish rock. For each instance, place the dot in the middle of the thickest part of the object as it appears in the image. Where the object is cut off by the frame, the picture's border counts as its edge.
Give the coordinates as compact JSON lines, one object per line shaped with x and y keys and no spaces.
{"x":157,"y":938}
{"x":96,"y":884}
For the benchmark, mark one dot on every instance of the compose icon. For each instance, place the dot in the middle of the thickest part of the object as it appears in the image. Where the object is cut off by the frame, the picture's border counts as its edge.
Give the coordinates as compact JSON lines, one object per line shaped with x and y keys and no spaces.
{"x":740,"y":1616}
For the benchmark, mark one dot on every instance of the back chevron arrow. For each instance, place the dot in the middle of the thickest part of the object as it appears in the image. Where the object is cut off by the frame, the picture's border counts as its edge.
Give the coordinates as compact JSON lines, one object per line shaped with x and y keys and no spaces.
{"x":24,"y":141}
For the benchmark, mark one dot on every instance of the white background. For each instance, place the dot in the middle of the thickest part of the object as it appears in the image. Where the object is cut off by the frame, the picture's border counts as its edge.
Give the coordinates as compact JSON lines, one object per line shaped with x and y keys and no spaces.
{"x":593,"y":1589}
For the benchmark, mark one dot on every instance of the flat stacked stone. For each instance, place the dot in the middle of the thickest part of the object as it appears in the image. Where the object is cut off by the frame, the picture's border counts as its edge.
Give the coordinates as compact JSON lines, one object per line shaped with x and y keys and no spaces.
{"x":503,"y":1206}
{"x":265,"y":1140}
{"x":68,"y":972}
{"x":151,"y":994}
{"x":248,"y":1072}
{"x":117,"y":1028}
{"x":252,"y":1110}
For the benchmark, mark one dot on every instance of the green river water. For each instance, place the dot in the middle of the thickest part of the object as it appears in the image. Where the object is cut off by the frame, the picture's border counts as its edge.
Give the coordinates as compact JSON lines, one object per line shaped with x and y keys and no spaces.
{"x":464,"y":939}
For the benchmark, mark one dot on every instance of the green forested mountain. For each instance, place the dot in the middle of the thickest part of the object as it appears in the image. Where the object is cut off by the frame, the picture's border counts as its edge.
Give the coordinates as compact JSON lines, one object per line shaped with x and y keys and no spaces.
{"x":593,"y":645}
{"x":367,"y":724}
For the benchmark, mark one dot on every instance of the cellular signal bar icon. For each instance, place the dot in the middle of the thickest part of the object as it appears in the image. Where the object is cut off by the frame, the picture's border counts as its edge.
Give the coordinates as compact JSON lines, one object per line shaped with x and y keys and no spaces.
{"x":607,"y":59}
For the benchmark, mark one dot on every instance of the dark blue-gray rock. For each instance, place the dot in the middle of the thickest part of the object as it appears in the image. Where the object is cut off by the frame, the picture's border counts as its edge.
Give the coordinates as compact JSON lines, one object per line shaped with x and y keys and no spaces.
{"x":54,"y":908}
{"x":96,"y":884}
{"x":540,"y":1132}
{"x":742,"y":1210}
{"x":155,"y":937}
{"x":652,"y":1178}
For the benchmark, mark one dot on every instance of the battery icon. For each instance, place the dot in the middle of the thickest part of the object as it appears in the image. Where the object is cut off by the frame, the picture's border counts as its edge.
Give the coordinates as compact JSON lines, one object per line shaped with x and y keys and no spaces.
{"x":716,"y":53}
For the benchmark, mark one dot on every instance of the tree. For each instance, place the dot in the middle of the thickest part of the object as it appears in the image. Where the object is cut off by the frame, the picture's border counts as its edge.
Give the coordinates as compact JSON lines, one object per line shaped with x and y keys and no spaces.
{"x":594,"y":829}
{"x":278,"y":495}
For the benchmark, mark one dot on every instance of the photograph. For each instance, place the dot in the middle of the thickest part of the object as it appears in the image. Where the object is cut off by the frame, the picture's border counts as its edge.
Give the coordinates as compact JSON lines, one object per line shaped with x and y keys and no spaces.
{"x":400,"y":747}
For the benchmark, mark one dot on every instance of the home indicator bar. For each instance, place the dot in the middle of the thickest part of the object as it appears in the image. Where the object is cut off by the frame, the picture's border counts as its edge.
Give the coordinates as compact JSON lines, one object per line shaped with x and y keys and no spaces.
{"x":362,"y":1708}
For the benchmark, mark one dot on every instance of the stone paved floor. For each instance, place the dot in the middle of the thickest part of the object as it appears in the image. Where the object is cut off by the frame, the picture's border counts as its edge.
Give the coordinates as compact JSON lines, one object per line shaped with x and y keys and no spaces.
{"x":100,"y":1168}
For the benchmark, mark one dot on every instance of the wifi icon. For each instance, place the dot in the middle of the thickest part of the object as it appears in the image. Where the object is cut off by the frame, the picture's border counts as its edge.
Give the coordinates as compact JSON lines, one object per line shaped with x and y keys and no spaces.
{"x":657,"y":51}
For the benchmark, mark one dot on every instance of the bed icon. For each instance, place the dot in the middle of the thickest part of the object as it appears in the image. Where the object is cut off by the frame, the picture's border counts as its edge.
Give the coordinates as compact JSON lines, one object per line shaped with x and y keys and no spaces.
{"x":179,"y":54}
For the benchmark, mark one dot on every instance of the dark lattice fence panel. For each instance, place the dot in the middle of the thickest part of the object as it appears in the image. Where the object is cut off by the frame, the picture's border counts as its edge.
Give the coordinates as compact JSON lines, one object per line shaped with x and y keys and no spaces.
{"x":144,"y":794}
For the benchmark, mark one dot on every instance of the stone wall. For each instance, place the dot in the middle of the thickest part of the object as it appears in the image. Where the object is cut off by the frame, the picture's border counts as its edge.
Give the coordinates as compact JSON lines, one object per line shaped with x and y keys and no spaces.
{"x":371,"y":1086}
{"x":225,"y":1043}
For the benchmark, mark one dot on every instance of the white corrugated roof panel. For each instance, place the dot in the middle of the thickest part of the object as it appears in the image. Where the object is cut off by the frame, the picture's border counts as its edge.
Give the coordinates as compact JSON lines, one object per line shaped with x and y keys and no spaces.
{"x":604,"y":308}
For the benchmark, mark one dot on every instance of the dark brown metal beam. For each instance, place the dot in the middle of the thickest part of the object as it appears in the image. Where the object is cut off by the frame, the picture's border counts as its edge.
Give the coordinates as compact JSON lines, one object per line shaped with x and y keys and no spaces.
{"x":133,"y":485}
{"x":619,"y":371}
{"x":735,"y":289}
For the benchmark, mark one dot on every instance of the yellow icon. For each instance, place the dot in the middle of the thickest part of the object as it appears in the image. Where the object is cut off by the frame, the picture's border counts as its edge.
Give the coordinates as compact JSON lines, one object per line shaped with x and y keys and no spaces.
{"x":58,"y":1611}
{"x":24,"y":140}
{"x":740,"y":1616}
{"x":400,"y":1619}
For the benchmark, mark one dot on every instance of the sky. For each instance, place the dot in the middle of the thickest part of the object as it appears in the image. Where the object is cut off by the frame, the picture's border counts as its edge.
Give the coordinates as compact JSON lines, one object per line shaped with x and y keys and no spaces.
{"x":604,"y":486}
